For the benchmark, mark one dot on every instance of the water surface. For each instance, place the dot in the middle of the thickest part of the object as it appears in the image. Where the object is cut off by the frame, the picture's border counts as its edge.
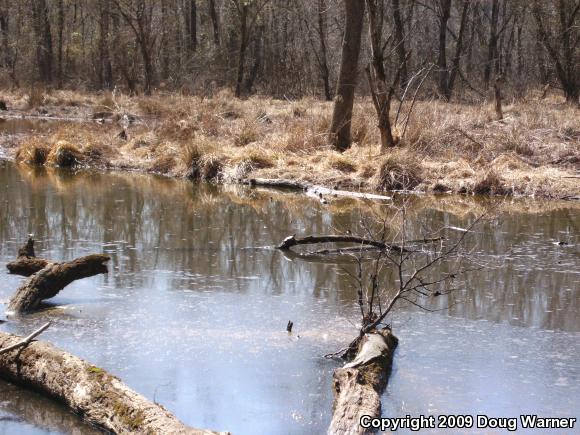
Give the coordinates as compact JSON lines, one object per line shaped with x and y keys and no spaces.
{"x":191,"y":319}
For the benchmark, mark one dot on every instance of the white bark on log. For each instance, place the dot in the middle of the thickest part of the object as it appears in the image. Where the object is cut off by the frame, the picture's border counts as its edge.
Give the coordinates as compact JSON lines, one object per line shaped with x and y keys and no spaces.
{"x":100,"y":398}
{"x":358,"y":385}
{"x":312,"y":189}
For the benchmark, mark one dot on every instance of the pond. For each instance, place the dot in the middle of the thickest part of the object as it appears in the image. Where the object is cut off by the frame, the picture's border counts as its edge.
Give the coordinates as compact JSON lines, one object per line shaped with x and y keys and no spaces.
{"x":193,"y":316}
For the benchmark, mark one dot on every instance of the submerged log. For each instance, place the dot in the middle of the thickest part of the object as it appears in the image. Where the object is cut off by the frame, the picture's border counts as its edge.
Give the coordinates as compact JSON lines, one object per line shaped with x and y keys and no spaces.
{"x":49,"y":281}
{"x":312,"y":189}
{"x":100,"y":398}
{"x":359,"y":384}
{"x":291,"y":241}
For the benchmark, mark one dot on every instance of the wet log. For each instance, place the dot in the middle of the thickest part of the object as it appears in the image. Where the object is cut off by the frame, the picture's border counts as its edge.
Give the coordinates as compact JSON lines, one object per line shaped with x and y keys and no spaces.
{"x":291,"y":241}
{"x":359,"y":384}
{"x":100,"y":398}
{"x":314,"y":190}
{"x":49,"y":281}
{"x":26,"y":263}
{"x":26,"y":266}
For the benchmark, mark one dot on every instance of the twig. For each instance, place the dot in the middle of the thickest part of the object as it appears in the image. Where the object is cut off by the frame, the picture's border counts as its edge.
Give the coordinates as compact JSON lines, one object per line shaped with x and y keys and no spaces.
{"x":26,"y":340}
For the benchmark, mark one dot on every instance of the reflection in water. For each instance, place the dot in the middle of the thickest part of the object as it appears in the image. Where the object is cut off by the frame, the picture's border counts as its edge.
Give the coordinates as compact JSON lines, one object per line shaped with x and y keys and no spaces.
{"x":191,"y":319}
{"x":25,"y":412}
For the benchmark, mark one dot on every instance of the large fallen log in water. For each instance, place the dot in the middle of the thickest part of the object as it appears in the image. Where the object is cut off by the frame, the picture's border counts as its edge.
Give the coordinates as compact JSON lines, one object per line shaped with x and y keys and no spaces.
{"x":312,"y":189}
{"x":359,"y":384}
{"x":100,"y":398}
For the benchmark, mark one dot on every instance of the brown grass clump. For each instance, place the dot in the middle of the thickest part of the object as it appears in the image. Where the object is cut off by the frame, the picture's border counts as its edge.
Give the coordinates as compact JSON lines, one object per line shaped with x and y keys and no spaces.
{"x":341,"y":163}
{"x":32,"y":152}
{"x":400,"y":170}
{"x":191,"y":158}
{"x":35,"y":98}
{"x":247,"y":134}
{"x":258,"y":159}
{"x":64,"y":154}
{"x":211,"y":167}
{"x":163,"y":164}
{"x":490,"y":184}
{"x":152,"y":106}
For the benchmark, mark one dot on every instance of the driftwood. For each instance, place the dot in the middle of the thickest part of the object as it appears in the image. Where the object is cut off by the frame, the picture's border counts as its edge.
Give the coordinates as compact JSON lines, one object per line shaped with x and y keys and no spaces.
{"x":47,"y":278}
{"x":49,"y":281}
{"x":312,"y":189}
{"x":358,"y":385}
{"x":291,"y":241}
{"x":100,"y":398}
{"x":26,"y":263}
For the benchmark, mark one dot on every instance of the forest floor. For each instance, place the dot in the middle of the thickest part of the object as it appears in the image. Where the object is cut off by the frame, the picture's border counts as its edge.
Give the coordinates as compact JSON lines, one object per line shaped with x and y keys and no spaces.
{"x":447,"y":147}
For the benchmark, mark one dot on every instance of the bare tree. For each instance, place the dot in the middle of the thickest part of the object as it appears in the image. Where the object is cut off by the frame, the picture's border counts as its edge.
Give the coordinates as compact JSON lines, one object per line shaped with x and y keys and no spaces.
{"x":139,"y":16}
{"x":381,"y":92}
{"x":447,"y":75}
{"x":44,"y":54}
{"x":420,"y":270}
{"x":248,"y":13}
{"x":347,"y":79}
{"x":562,"y":46}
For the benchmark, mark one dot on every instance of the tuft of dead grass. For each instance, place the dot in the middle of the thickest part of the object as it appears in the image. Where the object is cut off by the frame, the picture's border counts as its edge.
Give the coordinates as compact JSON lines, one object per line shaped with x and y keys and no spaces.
{"x":490,"y":184}
{"x":400,"y":170}
{"x":32,"y":152}
{"x":64,"y":154}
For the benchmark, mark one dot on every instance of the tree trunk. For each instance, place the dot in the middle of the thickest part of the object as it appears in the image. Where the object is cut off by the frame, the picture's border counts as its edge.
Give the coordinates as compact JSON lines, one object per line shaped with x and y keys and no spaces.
{"x":44,"y":53}
{"x":491,"y":64}
{"x":215,"y":22}
{"x":50,"y":280}
{"x":243,"y":46}
{"x":443,"y":72}
{"x":324,"y":70}
{"x":257,"y":55}
{"x":4,"y":32}
{"x":563,"y":61}
{"x":400,"y":41}
{"x":105,"y":67}
{"x":61,"y":14}
{"x":347,"y":79}
{"x":193,"y":24}
{"x":358,"y":385}
{"x":458,"y":50}
{"x":100,"y":398}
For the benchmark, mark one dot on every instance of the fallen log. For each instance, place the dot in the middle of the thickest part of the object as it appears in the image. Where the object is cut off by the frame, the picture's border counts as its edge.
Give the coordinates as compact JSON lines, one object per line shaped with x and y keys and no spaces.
{"x":359,"y":384}
{"x":100,"y":398}
{"x":49,"y":281}
{"x":26,"y":263}
{"x":291,"y":241}
{"x":312,"y":189}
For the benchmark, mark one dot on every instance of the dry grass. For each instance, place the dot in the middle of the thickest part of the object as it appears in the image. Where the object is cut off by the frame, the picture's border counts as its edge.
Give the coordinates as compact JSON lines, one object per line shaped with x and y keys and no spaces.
{"x":32,"y":152}
{"x":64,"y":154}
{"x":399,"y":170}
{"x":534,"y":151}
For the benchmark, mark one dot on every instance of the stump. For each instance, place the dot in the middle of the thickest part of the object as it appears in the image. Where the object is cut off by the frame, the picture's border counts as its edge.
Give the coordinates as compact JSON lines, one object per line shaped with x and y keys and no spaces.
{"x":358,"y":385}
{"x":100,"y":398}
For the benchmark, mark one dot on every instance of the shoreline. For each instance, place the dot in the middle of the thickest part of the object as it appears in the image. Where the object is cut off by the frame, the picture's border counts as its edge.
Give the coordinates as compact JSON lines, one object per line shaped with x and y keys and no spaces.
{"x":229,"y":141}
